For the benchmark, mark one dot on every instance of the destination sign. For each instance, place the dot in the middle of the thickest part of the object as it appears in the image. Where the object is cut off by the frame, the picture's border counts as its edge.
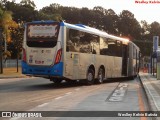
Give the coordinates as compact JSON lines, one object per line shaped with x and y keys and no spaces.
{"x":36,"y":31}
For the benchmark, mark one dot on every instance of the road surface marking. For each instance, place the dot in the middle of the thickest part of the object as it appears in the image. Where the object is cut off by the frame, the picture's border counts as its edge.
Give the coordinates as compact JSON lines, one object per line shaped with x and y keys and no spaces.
{"x":119,"y":93}
{"x":77,"y":89}
{"x":42,"y":105}
{"x":58,"y":98}
{"x":68,"y":93}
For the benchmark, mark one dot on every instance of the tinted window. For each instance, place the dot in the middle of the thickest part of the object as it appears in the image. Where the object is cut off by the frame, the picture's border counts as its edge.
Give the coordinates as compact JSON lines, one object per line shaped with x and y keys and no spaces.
{"x":42,"y":34}
{"x":103,"y":46}
{"x":78,"y":41}
{"x":110,"y":47}
{"x":114,"y":48}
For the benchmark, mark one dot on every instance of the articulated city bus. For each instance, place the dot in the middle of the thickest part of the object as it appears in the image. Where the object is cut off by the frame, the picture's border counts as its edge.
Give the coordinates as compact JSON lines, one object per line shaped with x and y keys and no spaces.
{"x":61,"y":51}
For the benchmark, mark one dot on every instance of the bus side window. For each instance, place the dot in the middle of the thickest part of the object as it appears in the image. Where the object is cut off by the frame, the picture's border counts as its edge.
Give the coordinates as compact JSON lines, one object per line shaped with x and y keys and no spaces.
{"x":103,"y":46}
{"x":72,"y":41}
{"x":114,"y":48}
{"x":94,"y":51}
{"x":95,"y":44}
{"x":67,"y":48}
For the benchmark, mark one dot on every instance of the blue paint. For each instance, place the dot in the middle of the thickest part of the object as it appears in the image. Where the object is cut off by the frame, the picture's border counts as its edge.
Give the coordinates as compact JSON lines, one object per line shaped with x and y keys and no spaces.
{"x":55,"y":70}
{"x":80,"y":25}
{"x":62,"y":24}
{"x":45,"y":22}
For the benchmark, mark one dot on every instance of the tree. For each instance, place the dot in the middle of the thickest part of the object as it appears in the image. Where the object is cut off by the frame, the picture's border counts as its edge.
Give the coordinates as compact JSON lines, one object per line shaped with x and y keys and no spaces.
{"x":2,"y":3}
{"x":124,"y":24}
{"x":20,"y":17}
{"x":29,"y":3}
{"x":6,"y":22}
{"x":155,"y":29}
{"x":71,"y":15}
{"x":128,"y":25}
{"x":18,"y":9}
{"x":145,"y":34}
{"x":110,"y":22}
{"x":99,"y":13}
{"x":86,"y":16}
{"x":52,"y":12}
{"x":17,"y":40}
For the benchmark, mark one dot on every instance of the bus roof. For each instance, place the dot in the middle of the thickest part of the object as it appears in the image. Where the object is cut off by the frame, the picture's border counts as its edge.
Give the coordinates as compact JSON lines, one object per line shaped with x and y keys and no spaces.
{"x":87,"y":29}
{"x":95,"y":31}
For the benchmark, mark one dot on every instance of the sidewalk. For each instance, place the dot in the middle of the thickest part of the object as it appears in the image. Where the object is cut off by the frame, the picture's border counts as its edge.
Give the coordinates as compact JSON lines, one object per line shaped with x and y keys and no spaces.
{"x":11,"y":73}
{"x":152,"y":89}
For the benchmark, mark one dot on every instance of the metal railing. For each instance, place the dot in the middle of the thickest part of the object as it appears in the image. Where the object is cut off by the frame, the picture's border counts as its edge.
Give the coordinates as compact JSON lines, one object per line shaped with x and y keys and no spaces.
{"x":11,"y":63}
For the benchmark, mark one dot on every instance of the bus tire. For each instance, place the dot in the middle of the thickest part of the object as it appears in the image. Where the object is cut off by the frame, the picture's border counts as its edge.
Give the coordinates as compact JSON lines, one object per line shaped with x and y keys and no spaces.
{"x":100,"y":77}
{"x":57,"y":81}
{"x":90,"y":77}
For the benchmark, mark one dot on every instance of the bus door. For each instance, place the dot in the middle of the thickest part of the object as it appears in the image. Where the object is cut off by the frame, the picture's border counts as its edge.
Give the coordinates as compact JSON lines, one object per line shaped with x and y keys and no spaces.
{"x":124,"y":59}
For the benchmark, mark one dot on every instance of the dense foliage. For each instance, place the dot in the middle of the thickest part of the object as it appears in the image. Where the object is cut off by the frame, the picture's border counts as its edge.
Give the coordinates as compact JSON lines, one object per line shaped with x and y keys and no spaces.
{"x":123,"y":24}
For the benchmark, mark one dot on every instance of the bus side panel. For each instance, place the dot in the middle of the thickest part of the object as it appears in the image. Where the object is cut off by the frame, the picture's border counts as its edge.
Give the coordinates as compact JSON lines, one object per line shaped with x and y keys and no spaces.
{"x":133,"y":65}
{"x":84,"y":62}
{"x":109,"y":65}
{"x":134,"y":61}
{"x":130,"y":63}
{"x":96,"y":60}
{"x":77,"y":64}
{"x":113,"y":65}
{"x":69,"y":65}
{"x":117,"y":69}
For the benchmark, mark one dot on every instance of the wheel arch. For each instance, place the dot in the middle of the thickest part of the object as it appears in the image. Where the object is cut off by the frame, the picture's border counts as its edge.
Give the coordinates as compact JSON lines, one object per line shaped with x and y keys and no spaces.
{"x":91,"y":67}
{"x":103,"y":67}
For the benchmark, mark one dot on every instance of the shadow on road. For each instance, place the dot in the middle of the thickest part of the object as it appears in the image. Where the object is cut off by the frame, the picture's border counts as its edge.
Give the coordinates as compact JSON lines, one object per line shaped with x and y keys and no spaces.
{"x":42,"y":84}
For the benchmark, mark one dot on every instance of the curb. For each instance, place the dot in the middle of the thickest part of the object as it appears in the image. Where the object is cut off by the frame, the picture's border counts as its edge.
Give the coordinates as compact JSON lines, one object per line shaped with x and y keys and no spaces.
{"x":9,"y":77}
{"x":150,"y":102}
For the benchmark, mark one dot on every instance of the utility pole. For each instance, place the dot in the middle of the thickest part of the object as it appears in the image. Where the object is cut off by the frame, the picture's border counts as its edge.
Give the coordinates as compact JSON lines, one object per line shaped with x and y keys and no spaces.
{"x":17,"y":54}
{"x":17,"y":43}
{"x":1,"y":45}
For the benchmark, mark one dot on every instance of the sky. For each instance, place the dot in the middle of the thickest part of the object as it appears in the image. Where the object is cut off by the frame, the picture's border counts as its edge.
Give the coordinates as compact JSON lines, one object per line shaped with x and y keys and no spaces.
{"x":142,"y":11}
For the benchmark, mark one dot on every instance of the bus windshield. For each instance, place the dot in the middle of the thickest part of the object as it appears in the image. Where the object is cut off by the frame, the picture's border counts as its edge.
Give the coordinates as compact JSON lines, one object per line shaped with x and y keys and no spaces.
{"x":42,"y":35}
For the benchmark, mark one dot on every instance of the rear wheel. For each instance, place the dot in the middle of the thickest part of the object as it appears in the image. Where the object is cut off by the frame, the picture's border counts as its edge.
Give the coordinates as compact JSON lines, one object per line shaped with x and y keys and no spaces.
{"x":100,"y":78}
{"x":90,"y":77}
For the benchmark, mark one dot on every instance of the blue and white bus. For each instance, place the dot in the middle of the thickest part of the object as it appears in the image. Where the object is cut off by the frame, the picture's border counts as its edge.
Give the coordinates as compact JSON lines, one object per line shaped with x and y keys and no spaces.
{"x":62,"y":51}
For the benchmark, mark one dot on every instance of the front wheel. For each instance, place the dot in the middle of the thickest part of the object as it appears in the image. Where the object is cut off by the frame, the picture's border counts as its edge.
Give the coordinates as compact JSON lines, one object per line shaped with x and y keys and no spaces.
{"x":90,"y":77}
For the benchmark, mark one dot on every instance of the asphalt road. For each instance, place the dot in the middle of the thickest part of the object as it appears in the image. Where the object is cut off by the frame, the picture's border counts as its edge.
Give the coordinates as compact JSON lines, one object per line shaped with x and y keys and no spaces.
{"x":38,"y":94}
